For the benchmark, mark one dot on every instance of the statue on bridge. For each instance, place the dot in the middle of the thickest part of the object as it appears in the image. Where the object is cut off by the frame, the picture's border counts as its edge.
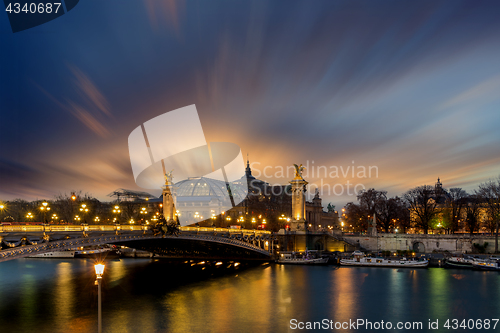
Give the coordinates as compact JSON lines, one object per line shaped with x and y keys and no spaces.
{"x":298,"y":171}
{"x":166,"y":228}
{"x":169,"y":177}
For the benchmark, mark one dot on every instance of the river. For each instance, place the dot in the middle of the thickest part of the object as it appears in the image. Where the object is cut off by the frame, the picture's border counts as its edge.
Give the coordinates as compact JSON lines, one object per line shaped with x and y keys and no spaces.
{"x":144,"y":295}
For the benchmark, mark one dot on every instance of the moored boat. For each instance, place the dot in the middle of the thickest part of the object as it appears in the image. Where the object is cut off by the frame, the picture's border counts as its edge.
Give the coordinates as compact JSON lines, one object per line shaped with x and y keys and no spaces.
{"x":359,"y":259}
{"x":55,"y":254}
{"x":486,"y":264}
{"x":459,"y":262}
{"x":307,"y":259}
{"x":99,"y":252}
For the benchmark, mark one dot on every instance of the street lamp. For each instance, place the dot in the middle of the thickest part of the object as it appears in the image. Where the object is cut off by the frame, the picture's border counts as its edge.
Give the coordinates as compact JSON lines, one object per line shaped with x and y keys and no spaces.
{"x":84,"y":211}
{"x":44,"y":208}
{"x":2,"y":207}
{"x":99,"y":270}
{"x":116,"y":211}
{"x":143,"y":212}
{"x":29,"y":216}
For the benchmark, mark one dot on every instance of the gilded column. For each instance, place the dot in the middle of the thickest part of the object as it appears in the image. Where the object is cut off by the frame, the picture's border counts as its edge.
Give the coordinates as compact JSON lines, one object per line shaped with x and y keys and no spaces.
{"x":298,"y":222}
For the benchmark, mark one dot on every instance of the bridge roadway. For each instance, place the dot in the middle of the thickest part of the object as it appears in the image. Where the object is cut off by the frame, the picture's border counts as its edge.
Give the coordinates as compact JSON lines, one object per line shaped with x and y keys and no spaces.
{"x":191,"y":242}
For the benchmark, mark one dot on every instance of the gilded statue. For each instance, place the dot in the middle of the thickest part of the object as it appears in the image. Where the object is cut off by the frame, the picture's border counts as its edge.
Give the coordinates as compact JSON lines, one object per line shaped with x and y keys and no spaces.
{"x":169,"y":177}
{"x":298,"y":171}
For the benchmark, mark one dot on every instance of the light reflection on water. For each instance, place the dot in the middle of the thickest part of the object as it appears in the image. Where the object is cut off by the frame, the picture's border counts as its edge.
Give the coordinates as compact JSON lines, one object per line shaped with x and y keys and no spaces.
{"x":140,"y":295}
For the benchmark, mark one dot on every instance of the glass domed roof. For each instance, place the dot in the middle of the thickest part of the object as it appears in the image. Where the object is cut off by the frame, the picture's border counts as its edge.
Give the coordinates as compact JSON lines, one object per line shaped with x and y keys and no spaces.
{"x":207,"y":187}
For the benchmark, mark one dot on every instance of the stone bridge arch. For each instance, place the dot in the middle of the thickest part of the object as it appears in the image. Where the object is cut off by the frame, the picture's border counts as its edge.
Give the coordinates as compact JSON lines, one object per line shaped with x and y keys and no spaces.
{"x":181,"y":246}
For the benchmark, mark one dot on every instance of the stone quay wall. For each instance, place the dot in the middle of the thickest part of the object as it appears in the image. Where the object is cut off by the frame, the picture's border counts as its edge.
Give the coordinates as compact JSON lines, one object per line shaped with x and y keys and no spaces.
{"x":462,"y":243}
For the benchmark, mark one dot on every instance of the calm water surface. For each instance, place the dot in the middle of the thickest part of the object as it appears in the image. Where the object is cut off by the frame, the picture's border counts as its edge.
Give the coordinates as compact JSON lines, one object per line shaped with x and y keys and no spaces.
{"x":51,"y":295}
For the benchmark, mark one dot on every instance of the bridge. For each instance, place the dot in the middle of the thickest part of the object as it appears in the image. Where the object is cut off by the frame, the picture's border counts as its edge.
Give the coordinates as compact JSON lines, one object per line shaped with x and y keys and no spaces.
{"x":18,"y":241}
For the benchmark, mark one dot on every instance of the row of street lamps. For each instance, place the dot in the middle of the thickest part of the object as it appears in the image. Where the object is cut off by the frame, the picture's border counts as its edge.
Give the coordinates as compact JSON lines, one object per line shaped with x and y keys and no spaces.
{"x":241,"y":219}
{"x":77,"y":218}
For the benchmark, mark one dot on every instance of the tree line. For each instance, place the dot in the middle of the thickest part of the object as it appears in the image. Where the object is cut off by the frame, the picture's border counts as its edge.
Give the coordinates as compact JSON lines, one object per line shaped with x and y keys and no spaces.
{"x":77,"y":208}
{"x":428,"y":208}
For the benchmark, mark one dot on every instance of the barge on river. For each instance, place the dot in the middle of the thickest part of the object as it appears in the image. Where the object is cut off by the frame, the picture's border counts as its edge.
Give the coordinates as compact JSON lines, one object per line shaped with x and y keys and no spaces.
{"x":359,"y":259}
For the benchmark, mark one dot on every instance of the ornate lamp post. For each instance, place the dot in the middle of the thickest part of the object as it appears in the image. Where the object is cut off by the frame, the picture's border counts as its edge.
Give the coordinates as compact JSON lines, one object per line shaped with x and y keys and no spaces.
{"x":44,"y":208}
{"x":99,"y":270}
{"x":143,"y":212}
{"x":73,"y":199}
{"x":84,"y":211}
{"x":116,"y":211}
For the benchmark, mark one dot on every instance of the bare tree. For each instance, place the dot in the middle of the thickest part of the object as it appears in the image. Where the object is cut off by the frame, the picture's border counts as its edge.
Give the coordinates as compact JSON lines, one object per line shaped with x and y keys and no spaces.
{"x":356,"y":216}
{"x":423,"y":205}
{"x":65,"y":206}
{"x":403,"y":218}
{"x":368,"y":200}
{"x":490,"y":193}
{"x":472,"y":212}
{"x":454,"y":206}
{"x":388,"y":210}
{"x":19,"y":209}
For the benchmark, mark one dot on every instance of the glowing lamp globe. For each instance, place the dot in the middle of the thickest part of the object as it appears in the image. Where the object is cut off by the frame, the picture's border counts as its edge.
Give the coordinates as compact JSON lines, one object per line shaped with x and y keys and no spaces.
{"x":99,"y":269}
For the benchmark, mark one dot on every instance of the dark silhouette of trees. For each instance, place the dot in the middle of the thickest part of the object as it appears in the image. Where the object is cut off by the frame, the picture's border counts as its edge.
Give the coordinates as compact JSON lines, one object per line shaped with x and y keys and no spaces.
{"x":370,"y":199}
{"x":403,"y":219}
{"x":388,"y":211}
{"x":489,"y":192}
{"x":423,"y":206}
{"x":472,"y":211}
{"x":355,"y":216}
{"x":454,"y":207}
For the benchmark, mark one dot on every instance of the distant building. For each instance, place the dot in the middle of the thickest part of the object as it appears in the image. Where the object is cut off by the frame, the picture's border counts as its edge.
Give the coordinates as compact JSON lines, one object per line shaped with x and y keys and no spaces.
{"x":265,"y":205}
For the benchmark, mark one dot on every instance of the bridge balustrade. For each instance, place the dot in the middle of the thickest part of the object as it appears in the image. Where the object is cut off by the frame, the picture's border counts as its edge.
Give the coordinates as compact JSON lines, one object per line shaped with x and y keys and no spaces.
{"x":122,"y":227}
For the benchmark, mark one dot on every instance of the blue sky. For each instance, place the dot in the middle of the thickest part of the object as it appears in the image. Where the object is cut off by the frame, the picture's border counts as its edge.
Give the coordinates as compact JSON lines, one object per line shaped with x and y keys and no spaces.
{"x":410,"y":87}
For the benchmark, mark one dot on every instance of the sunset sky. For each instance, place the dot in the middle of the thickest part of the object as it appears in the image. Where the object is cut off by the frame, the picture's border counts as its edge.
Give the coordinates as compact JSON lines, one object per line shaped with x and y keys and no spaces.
{"x":412,"y":88}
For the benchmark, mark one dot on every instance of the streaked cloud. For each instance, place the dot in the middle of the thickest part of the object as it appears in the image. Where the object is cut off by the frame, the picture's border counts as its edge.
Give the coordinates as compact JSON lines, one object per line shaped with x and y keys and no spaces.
{"x":168,"y":11}
{"x":409,"y":87}
{"x":93,"y":110}
{"x":479,"y":94}
{"x":89,"y":91}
